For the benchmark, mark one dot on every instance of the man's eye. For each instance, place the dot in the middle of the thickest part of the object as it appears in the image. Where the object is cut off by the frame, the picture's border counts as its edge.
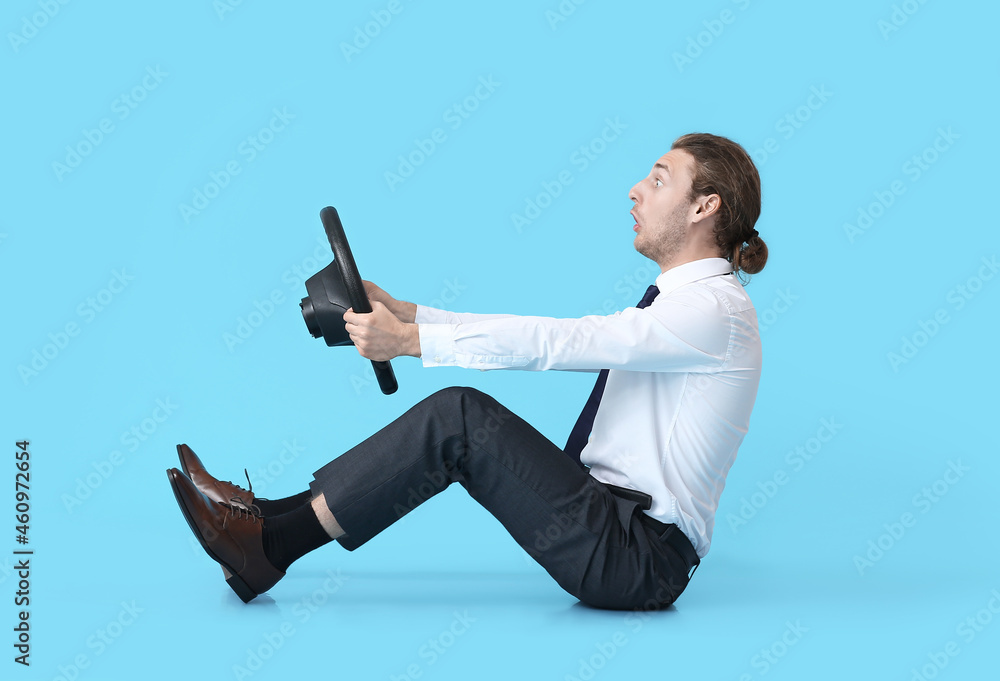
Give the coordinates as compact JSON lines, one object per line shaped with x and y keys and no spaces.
{"x":658,"y":182}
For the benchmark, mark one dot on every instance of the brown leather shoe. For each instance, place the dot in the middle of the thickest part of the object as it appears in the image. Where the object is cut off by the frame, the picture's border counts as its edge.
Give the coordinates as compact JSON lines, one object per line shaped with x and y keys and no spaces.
{"x":231,"y":535}
{"x":216,"y":490}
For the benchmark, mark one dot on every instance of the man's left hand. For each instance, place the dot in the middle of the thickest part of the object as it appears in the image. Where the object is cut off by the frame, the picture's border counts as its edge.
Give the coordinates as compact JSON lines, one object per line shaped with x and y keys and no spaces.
{"x":380,"y":336}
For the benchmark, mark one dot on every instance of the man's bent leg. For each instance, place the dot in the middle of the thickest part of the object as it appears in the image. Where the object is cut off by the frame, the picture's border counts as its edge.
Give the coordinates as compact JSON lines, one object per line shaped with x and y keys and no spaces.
{"x":588,"y":540}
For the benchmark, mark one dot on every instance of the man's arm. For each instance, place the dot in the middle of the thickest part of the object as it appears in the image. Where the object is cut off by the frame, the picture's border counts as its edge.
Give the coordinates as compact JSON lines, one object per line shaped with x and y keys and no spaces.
{"x":431,"y":315}
{"x":691,"y":330}
{"x":409,"y":313}
{"x":687,"y":331}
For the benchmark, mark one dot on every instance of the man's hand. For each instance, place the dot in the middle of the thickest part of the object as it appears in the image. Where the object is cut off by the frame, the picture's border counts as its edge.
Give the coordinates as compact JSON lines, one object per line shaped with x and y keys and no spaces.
{"x":404,"y":312}
{"x":379,"y":335}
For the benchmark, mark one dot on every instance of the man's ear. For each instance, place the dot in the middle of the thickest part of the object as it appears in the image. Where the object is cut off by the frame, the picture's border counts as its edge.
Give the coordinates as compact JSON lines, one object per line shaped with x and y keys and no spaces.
{"x":706,"y":207}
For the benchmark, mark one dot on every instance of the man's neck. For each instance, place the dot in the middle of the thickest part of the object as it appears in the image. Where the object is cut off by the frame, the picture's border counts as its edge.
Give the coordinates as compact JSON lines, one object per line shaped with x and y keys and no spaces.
{"x":686,"y":257}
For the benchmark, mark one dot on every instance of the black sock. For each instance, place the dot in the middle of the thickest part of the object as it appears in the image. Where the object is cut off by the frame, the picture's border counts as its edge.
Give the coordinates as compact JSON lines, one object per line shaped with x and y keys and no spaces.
{"x":289,"y":536}
{"x":270,"y":507}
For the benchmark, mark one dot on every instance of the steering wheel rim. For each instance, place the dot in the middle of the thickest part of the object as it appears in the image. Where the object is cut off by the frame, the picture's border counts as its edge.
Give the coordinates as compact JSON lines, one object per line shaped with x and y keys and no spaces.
{"x":355,"y":287}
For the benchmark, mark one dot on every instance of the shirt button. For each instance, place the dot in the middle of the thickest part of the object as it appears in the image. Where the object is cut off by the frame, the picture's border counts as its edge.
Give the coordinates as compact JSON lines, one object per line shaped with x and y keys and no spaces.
{"x":437,"y":359}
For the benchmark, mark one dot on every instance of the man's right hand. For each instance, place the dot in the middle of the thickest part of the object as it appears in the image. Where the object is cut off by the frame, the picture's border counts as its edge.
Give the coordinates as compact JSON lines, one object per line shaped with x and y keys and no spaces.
{"x":404,"y":312}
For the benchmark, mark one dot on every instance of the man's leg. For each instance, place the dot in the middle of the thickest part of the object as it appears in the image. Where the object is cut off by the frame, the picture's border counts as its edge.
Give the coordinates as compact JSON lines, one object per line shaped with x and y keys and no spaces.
{"x":591,"y":542}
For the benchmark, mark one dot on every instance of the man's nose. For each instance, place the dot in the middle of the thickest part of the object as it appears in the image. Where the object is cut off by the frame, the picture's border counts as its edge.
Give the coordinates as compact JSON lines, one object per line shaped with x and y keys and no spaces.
{"x":633,"y":193}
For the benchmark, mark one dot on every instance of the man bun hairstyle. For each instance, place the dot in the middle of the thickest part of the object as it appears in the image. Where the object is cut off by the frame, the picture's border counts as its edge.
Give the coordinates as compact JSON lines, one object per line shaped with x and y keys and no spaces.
{"x":723,"y":167}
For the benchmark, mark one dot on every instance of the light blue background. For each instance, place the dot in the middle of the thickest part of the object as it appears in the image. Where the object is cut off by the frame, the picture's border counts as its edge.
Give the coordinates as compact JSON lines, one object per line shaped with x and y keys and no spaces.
{"x":445,"y":236}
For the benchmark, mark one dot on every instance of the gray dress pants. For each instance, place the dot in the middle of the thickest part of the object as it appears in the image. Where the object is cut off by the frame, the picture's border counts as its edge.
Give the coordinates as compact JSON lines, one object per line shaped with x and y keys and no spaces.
{"x":599,"y":547}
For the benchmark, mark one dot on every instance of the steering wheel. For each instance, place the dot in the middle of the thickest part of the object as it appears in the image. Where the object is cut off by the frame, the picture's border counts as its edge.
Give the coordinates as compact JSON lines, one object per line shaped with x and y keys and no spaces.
{"x":335,"y":288}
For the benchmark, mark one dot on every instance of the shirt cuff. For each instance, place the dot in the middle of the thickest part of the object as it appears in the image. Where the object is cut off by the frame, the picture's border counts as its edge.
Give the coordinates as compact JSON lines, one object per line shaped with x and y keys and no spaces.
{"x":437,"y":347}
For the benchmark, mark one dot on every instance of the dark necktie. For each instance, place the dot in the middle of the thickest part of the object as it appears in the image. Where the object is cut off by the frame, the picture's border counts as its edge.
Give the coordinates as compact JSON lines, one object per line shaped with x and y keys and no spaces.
{"x":581,"y":431}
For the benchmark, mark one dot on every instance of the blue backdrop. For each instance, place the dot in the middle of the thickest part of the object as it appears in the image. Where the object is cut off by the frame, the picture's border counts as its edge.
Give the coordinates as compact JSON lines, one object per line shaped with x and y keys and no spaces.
{"x":163,"y":169}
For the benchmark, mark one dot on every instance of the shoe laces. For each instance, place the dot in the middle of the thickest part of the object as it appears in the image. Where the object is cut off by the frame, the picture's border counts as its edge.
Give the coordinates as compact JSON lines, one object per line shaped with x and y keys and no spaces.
{"x":241,"y":510}
{"x":248,"y":490}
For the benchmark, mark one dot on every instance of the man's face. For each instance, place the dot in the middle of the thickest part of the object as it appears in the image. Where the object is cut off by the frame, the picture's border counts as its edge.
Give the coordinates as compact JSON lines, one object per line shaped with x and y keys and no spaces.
{"x":662,"y":208}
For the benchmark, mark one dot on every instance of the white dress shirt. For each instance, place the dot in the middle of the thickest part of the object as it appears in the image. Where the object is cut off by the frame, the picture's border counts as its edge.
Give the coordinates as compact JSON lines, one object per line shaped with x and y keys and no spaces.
{"x":682,"y":382}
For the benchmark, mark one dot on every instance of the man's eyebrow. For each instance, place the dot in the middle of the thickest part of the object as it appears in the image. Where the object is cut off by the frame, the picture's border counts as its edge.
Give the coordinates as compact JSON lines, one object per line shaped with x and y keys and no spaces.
{"x":661,"y":165}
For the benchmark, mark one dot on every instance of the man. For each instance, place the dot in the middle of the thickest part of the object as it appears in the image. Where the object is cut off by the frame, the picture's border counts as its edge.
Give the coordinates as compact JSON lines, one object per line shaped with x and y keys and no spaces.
{"x":620,"y":520}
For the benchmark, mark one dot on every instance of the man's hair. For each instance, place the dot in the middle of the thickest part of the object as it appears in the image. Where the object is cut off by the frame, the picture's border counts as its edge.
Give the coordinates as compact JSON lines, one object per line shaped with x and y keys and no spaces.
{"x":723,"y":167}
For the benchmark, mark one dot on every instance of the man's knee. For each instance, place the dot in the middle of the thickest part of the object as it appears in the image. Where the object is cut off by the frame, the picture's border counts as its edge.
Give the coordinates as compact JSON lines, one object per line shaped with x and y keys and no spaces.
{"x":457,"y":399}
{"x":460,"y":392}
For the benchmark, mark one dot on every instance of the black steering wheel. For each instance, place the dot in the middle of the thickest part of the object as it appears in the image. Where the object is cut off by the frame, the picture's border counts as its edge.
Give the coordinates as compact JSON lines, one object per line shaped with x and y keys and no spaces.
{"x":333,"y":290}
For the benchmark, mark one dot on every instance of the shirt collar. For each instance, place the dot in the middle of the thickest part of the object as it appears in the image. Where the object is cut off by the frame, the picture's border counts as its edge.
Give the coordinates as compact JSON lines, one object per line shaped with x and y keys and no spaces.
{"x":676,"y":277}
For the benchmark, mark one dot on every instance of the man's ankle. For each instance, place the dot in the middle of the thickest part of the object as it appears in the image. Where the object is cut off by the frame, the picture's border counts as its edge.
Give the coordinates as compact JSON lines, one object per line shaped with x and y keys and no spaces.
{"x":325,"y":517}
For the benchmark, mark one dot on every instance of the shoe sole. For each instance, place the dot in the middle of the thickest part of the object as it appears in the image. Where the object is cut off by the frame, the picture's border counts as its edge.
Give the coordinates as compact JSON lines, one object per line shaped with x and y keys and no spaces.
{"x":225,"y":571}
{"x":234,"y":581}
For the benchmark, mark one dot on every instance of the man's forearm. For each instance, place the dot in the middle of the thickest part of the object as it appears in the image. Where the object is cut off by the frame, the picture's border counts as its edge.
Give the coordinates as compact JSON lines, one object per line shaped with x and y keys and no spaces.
{"x":405,"y":312}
